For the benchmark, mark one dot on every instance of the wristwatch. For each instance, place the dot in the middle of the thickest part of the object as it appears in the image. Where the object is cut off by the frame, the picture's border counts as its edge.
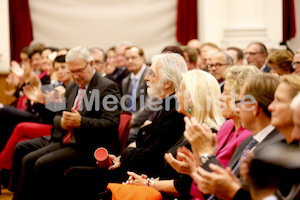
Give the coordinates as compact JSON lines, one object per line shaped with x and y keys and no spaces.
{"x":205,"y":157}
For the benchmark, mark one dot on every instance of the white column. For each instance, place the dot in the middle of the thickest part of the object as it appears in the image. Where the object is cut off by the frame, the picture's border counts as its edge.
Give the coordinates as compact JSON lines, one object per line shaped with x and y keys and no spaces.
{"x":239,"y":22}
{"x":5,"y":38}
{"x":210,"y":20}
{"x":245,"y":23}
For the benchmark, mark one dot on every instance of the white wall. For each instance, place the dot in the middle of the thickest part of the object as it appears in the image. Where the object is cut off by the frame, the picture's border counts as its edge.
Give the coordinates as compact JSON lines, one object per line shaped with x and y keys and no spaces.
{"x":4,"y":37}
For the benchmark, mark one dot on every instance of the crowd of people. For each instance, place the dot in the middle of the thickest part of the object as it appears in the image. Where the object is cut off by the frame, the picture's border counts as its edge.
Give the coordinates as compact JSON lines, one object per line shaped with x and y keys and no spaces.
{"x":206,"y":123}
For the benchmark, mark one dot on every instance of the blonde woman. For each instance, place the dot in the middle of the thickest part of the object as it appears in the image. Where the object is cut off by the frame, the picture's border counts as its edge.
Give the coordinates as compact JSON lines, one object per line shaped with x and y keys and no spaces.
{"x":282,"y":114}
{"x":231,"y":133}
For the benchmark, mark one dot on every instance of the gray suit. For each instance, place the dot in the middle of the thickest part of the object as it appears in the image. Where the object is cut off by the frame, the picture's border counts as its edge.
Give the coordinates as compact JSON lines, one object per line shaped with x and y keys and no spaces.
{"x":272,"y":137}
{"x":141,"y":90}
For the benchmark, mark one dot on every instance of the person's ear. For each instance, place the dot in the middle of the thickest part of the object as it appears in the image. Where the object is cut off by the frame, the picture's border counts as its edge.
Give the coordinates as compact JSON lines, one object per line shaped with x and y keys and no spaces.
{"x":256,"y":109}
{"x":92,"y":63}
{"x":168,"y":84}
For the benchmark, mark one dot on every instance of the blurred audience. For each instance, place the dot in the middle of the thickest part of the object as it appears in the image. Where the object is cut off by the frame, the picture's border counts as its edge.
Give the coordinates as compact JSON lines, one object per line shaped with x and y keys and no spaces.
{"x":194,"y":43}
{"x":111,"y":63}
{"x":134,"y":85}
{"x":205,"y":50}
{"x":280,"y":62}
{"x":296,"y":62}
{"x":190,"y":56}
{"x":121,"y":71}
{"x":99,"y":57}
{"x":256,"y":54}
{"x":236,"y":54}
{"x":217,"y":63}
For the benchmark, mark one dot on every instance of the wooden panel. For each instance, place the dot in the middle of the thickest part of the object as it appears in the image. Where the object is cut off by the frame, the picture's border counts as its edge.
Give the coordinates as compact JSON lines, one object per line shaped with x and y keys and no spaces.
{"x":6,"y":194}
{"x":5,"y":100}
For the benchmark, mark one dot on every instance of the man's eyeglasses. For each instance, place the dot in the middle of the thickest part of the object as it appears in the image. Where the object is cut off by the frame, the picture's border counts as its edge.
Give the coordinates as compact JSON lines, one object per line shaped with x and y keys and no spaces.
{"x":216,"y":65}
{"x":251,"y":53}
{"x":151,"y":74}
{"x":238,"y":103}
{"x":79,"y":71}
{"x":98,"y":62}
{"x":295,"y":63}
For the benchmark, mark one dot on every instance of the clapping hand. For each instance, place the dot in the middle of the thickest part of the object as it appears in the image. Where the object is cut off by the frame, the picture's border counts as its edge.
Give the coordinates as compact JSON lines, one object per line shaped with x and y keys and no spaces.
{"x":200,"y":137}
{"x":13,"y":80}
{"x":17,"y":69}
{"x":34,"y":94}
{"x":220,"y":182}
{"x":185,"y":161}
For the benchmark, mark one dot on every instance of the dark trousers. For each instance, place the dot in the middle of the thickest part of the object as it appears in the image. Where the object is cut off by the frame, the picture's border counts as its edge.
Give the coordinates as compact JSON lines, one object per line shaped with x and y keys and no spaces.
{"x":87,"y":182}
{"x":39,"y":167}
{"x":20,"y":151}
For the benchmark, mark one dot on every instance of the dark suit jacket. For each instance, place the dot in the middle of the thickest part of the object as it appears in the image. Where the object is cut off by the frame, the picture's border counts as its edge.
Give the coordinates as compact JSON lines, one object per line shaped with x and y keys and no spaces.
{"x":274,"y":136}
{"x":99,"y":127}
{"x":118,"y":75}
{"x":266,"y":68}
{"x":127,"y":86}
{"x":154,"y":140}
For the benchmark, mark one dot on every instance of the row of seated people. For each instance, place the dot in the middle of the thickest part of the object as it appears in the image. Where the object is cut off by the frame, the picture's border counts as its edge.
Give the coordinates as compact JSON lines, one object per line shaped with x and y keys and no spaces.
{"x":31,"y":94}
{"x":23,"y":109}
{"x":32,"y":89}
{"x":132,"y":58}
{"x":124,"y":60}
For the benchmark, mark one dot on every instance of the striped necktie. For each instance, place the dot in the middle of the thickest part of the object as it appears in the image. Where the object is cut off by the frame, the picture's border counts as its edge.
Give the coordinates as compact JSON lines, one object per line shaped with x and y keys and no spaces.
{"x":67,"y":137}
{"x":132,"y":100}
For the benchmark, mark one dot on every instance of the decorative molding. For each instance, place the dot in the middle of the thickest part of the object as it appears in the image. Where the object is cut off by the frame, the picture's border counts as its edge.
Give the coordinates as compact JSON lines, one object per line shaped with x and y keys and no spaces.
{"x":241,"y":36}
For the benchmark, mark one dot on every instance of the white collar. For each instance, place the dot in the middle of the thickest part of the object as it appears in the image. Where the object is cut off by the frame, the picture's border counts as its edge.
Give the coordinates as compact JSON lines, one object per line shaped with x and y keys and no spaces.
{"x":270,"y":197}
{"x":138,"y":76}
{"x":261,"y":135}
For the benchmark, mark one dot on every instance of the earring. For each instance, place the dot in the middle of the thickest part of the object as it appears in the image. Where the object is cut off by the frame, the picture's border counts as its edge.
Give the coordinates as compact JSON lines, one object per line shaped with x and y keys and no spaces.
{"x":190,"y":109}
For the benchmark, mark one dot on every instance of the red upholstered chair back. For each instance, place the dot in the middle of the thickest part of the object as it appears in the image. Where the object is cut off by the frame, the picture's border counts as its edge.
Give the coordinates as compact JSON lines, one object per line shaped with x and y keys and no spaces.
{"x":124,"y":128}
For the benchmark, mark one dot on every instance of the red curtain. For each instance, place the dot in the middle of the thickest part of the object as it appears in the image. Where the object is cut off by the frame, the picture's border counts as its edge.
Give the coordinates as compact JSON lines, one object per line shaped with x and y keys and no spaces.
{"x":289,"y":21}
{"x":20,"y":27}
{"x":186,"y":21}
